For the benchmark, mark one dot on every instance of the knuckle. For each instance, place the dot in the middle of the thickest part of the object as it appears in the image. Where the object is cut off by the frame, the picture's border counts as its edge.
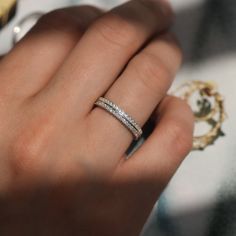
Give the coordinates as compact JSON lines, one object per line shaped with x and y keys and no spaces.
{"x":162,"y":9}
{"x":53,"y":17}
{"x":176,"y":47}
{"x":152,"y":72}
{"x":116,"y":30}
{"x":59,"y":20}
{"x":172,"y":38}
{"x":179,"y":52}
{"x":181,"y":131}
{"x":151,"y":8}
{"x":181,"y":138}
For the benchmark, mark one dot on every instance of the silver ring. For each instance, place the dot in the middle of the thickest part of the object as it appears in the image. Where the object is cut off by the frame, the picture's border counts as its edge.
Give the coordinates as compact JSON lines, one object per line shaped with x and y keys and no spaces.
{"x":120,"y":115}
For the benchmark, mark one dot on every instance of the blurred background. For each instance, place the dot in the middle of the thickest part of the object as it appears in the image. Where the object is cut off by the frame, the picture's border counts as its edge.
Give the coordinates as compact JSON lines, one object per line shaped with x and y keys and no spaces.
{"x":201,"y":198}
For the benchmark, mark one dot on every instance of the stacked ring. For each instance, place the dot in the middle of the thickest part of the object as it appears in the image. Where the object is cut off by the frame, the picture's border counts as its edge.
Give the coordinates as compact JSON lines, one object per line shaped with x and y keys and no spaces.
{"x":120,"y":115}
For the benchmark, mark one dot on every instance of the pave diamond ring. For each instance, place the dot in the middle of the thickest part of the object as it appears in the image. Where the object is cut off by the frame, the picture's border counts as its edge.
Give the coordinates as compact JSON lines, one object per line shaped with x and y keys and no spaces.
{"x":120,"y":115}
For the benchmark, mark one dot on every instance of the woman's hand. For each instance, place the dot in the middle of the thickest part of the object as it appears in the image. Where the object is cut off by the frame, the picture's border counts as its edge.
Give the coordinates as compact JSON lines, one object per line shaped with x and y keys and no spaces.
{"x":63,"y":169}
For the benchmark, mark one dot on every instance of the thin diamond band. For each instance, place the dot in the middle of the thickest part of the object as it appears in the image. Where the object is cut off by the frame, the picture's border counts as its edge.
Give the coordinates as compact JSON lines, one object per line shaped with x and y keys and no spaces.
{"x":120,"y":115}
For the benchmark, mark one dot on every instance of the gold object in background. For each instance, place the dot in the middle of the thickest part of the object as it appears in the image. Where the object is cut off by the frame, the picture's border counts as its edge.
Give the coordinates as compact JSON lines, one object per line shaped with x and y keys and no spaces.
{"x":7,"y":11}
{"x":208,"y":107}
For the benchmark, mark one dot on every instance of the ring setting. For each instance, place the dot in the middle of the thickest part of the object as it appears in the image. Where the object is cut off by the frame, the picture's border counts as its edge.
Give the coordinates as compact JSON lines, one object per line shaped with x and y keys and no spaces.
{"x":121,"y":116}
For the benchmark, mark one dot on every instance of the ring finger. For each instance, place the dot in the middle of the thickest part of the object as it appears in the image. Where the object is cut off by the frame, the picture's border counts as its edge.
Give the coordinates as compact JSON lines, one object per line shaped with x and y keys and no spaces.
{"x":138,"y":90}
{"x":102,"y":53}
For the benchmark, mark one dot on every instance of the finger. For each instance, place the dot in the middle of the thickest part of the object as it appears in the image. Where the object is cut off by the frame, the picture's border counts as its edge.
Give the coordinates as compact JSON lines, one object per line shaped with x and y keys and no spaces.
{"x":43,"y":49}
{"x":160,"y":156}
{"x":138,"y":91}
{"x":149,"y":170}
{"x":103,"y":52}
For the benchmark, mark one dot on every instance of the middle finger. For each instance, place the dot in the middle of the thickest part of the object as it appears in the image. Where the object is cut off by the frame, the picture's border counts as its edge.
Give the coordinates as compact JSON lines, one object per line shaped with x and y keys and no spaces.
{"x":138,"y":91}
{"x":102,"y":53}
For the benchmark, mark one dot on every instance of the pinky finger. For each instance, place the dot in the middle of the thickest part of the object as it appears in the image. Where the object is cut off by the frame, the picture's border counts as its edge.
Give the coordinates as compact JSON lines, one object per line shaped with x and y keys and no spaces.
{"x":160,"y":156}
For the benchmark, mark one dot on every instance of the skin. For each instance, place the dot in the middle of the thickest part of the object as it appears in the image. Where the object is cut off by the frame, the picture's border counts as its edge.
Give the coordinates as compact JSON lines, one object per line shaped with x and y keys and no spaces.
{"x":63,"y":169}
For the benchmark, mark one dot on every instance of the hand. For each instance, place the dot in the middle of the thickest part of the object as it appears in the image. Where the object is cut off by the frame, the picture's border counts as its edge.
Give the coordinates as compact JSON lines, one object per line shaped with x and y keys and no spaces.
{"x":63,"y":166}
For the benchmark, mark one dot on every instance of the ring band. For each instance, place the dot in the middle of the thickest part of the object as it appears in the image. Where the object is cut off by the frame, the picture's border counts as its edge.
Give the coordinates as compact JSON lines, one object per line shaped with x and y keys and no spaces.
{"x":120,"y":115}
